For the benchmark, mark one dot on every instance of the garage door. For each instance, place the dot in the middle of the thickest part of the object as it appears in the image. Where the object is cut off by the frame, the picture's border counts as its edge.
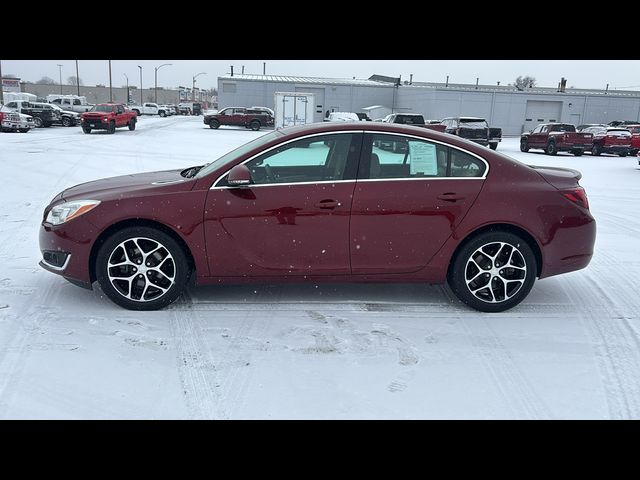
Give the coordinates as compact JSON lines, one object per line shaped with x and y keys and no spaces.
{"x":541,"y":112}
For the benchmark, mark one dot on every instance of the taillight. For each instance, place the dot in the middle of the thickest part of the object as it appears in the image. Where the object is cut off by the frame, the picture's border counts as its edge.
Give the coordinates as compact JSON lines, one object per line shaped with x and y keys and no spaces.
{"x":577,"y":195}
{"x":1,"y":116}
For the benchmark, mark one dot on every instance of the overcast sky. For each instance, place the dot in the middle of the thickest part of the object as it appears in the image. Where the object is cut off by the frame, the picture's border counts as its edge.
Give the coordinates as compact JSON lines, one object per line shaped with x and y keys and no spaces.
{"x":579,"y":73}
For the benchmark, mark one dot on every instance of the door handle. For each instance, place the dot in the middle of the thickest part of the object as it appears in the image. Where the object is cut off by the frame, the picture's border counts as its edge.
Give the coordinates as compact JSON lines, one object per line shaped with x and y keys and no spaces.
{"x":451,"y":197}
{"x":328,"y":204}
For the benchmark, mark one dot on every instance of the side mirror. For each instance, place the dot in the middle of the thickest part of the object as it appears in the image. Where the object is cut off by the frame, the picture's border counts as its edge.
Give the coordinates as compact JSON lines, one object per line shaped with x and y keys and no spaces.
{"x":239,"y":175}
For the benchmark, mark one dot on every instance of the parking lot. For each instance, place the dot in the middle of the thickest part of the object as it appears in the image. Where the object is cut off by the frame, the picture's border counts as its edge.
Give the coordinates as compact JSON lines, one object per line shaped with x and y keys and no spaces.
{"x":570,"y":350}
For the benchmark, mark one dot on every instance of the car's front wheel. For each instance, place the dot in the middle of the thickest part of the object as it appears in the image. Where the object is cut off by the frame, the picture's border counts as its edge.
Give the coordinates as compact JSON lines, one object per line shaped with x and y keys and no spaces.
{"x":86,"y":129}
{"x":493,"y":272}
{"x":214,"y":123}
{"x":524,"y":145}
{"x":141,"y":268}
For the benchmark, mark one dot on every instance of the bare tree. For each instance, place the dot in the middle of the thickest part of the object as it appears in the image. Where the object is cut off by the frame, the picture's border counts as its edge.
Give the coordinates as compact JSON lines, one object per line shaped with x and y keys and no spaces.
{"x":524,"y":82}
{"x":73,"y":80}
{"x":46,"y":81}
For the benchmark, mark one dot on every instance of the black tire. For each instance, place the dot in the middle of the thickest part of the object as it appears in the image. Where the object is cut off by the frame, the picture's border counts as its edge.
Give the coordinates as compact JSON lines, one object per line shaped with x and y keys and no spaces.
{"x":551,"y":149}
{"x":461,"y":269}
{"x":493,"y":146}
{"x":66,"y":122}
{"x":596,"y":150}
{"x":524,"y":145}
{"x":255,"y":125}
{"x":214,"y":123}
{"x":577,"y":153}
{"x":23,"y":130}
{"x":137,"y":112}
{"x":37,"y":121}
{"x":86,"y":129}
{"x":180,"y":269}
{"x":162,"y":114}
{"x":132,"y":124}
{"x":112,"y":128}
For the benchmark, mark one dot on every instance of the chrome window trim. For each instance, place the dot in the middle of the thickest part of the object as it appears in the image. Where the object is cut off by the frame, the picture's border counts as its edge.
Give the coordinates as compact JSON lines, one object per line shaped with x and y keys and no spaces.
{"x":335,"y":132}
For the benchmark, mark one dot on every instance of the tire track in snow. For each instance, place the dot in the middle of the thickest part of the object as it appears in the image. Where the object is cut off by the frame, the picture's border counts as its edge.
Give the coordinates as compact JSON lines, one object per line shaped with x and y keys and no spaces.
{"x":616,"y":344}
{"x":514,"y":387}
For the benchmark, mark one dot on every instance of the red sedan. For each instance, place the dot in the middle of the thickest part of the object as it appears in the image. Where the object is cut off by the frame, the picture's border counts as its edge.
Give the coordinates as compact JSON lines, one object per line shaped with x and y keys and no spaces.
{"x":323,"y":203}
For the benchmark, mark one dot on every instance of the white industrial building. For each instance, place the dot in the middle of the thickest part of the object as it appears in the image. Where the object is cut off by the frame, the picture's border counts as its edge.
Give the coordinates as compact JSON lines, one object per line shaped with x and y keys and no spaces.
{"x":511,"y":109}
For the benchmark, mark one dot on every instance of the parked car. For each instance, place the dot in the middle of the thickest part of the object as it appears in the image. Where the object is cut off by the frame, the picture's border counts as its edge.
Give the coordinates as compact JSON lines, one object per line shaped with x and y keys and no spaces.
{"x":557,"y":137}
{"x":190,"y":108}
{"x":449,"y":211}
{"x":12,"y":121}
{"x":580,"y":128}
{"x":108,"y":116}
{"x":412,"y":119}
{"x":623,"y":123}
{"x":616,"y":140}
{"x":168,"y":109}
{"x":342,"y":117}
{"x":239,"y":116}
{"x":149,"y":109}
{"x":475,"y":129}
{"x":70,"y":103}
{"x":43,"y":114}
{"x":635,"y":138}
{"x":67,"y":118}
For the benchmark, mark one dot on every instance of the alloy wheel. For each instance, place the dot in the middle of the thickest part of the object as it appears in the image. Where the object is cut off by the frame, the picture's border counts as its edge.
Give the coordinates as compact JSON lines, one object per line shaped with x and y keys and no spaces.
{"x":141,"y":269}
{"x":495,"y":272}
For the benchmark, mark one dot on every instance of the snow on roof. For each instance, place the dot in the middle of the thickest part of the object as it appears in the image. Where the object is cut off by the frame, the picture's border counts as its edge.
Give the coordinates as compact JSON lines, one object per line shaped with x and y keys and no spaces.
{"x":308,"y":80}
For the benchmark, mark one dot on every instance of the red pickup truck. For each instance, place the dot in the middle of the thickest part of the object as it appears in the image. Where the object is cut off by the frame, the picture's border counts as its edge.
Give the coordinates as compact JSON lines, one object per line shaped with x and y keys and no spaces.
{"x":635,"y":138}
{"x":108,"y":116}
{"x":242,"y":117}
{"x":556,"y":137}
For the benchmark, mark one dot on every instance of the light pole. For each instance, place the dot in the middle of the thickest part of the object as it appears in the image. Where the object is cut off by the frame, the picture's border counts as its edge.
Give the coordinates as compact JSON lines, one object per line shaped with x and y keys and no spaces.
{"x":60,"y":69}
{"x":158,"y":68}
{"x":110,"y":85}
{"x":193,"y":87}
{"x":77,"y":78}
{"x":127,"y":100}
{"x":1,"y":94}
{"x":140,"y":84}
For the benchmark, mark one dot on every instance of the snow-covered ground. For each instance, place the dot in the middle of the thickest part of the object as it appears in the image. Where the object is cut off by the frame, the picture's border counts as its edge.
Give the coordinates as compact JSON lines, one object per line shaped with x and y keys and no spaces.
{"x":571,"y":350}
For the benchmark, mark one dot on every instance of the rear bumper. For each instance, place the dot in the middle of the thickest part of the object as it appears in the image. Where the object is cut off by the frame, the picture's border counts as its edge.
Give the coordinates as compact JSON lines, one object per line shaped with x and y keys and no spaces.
{"x":616,"y":149}
{"x":574,"y":147}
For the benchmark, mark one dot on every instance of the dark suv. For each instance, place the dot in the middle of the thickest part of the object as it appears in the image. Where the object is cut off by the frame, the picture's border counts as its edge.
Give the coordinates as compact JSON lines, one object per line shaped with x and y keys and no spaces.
{"x":239,"y":116}
{"x":475,"y":129}
{"x":44,"y":115}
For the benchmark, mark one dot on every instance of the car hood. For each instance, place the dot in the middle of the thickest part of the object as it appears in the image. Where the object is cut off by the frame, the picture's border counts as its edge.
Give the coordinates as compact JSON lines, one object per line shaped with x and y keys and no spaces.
{"x":127,"y":186}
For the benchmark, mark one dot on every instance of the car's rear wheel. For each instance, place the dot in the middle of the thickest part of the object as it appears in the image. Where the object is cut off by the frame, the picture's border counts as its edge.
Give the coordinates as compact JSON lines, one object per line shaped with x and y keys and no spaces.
{"x":597,"y":150}
{"x":214,"y":123}
{"x":162,"y":114}
{"x":524,"y":145}
{"x":551,"y":149}
{"x":86,"y":129}
{"x":141,"y":268}
{"x":132,"y":124}
{"x":255,"y":125}
{"x":493,"y":272}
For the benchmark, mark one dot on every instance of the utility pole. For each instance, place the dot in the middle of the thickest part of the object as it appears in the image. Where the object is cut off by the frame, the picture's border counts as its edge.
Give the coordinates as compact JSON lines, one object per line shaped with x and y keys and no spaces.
{"x":110,"y":85}
{"x":60,"y":69}
{"x":127,"y":100}
{"x":140,"y":84}
{"x":156,"y":75}
{"x":193,"y":87}
{"x":77,"y":78}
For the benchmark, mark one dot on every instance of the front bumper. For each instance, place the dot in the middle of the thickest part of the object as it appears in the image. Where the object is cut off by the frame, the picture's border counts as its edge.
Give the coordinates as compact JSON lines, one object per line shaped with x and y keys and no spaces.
{"x":97,"y":124}
{"x":66,"y":249}
{"x":10,"y":125}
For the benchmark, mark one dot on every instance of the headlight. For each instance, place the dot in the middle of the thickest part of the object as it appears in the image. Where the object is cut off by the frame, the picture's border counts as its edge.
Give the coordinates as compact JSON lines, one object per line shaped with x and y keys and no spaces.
{"x":66,"y":211}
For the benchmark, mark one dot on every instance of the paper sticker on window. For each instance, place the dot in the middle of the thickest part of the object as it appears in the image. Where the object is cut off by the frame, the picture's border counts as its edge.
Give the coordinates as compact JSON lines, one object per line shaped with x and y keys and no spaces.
{"x":423,"y":160}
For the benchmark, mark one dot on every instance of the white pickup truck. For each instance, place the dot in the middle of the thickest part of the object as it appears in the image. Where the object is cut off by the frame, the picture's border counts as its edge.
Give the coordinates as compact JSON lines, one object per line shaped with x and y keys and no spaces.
{"x":72,"y":103}
{"x":149,"y":109}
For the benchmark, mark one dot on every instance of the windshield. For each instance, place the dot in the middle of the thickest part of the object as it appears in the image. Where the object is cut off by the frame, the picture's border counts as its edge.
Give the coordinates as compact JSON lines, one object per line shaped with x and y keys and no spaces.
{"x":562,"y":128}
{"x":473,"y":123}
{"x":232,"y":155}
{"x":102,"y":108}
